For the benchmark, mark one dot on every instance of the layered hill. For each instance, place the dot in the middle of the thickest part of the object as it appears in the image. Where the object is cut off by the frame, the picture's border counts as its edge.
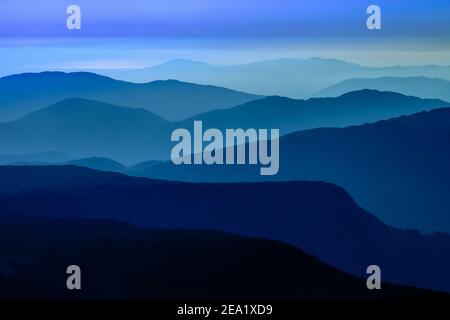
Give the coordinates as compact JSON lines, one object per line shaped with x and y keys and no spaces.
{"x":295,"y":78}
{"x":320,"y":218}
{"x":48,"y":157}
{"x":86,"y":128}
{"x":175,"y":100}
{"x":290,"y":115}
{"x":120,"y":261}
{"x":397,"y":169}
{"x":422,"y":87}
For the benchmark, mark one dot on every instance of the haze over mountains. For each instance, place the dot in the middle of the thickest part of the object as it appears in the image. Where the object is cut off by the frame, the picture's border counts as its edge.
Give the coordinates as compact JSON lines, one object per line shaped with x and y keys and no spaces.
{"x":295,"y":78}
{"x":320,"y":218}
{"x":421,"y":87}
{"x":97,"y":163}
{"x":290,"y":115}
{"x":24,"y":93}
{"x":380,"y":170}
{"x":48,"y":157}
{"x":397,"y":169}
{"x":85,"y":128}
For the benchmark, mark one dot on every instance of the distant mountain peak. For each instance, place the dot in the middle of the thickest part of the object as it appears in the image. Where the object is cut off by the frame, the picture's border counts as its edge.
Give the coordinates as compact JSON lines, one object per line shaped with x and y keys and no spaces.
{"x":362,"y":92}
{"x":371,"y":93}
{"x":320,"y":59}
{"x":418,"y":86}
{"x":81,"y":103}
{"x":172,"y":99}
{"x":184,"y":62}
{"x":79,"y":107}
{"x":98,"y":163}
{"x":57,"y":74}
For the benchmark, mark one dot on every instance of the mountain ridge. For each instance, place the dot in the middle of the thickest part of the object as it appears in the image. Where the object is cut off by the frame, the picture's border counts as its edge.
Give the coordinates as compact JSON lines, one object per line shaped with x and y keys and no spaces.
{"x":291,"y":77}
{"x":395,"y":168}
{"x":289,"y":115}
{"x":170,"y":99}
{"x":239,"y":265}
{"x":422,"y":87}
{"x":321,"y":218}
{"x":87,"y":128}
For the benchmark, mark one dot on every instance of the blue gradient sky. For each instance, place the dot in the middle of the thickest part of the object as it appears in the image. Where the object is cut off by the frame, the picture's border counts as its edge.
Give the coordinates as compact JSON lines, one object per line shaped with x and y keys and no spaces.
{"x":223,"y":18}
{"x":139,"y":33}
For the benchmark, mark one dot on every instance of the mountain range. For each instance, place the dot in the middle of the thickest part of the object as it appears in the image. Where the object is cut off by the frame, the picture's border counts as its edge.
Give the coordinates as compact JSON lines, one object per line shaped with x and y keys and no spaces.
{"x":294,"y":78}
{"x":421,"y":87}
{"x":290,"y":115}
{"x":49,"y":157}
{"x":320,"y":218}
{"x":85,"y":128}
{"x":121,"y":261}
{"x":105,"y":164}
{"x":24,"y":93}
{"x":397,"y":168}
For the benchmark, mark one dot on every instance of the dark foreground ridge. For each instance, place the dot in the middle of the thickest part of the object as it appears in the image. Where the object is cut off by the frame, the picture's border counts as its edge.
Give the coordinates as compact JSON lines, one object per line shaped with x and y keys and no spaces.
{"x":123,"y":261}
{"x":317,"y":217}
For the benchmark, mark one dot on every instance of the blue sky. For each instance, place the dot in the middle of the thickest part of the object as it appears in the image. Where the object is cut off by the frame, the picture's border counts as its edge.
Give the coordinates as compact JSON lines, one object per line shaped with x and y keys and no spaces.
{"x":223,"y":18}
{"x":139,"y":33}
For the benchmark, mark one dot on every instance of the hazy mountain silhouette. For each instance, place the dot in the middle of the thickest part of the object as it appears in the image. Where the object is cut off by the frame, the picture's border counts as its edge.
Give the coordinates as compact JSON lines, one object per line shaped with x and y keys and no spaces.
{"x":295,"y":78}
{"x":122,"y":261}
{"x":106,"y":164}
{"x":23,"y":93}
{"x":142,"y":166}
{"x":87,"y":128}
{"x":320,"y":218}
{"x":290,"y":115}
{"x":48,"y":157}
{"x":421,"y":87}
{"x":397,"y":169}
{"x":97,"y":163}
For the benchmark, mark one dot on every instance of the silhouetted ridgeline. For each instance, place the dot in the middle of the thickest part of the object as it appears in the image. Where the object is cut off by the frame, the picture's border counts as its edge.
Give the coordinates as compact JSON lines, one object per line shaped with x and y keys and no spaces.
{"x":122,"y":261}
{"x":421,"y":87}
{"x":296,"y":78}
{"x":397,"y":169}
{"x":320,"y":218}
{"x":86,"y":128}
{"x":171,"y":99}
{"x":290,"y":115}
